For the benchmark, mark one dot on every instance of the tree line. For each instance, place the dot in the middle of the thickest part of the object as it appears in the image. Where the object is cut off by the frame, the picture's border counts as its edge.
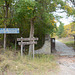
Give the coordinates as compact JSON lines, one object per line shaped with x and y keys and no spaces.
{"x":66,"y":31}
{"x":24,"y":13}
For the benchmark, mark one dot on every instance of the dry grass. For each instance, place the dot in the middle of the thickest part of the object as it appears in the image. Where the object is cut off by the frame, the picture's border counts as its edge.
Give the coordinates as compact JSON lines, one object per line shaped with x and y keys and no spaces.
{"x":69,"y":41}
{"x":13,"y":63}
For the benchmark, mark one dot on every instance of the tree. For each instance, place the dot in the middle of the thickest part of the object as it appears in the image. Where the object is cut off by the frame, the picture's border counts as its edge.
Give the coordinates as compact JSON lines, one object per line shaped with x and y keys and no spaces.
{"x":35,"y":13}
{"x":38,"y":14}
{"x":69,"y":29}
{"x":60,"y":30}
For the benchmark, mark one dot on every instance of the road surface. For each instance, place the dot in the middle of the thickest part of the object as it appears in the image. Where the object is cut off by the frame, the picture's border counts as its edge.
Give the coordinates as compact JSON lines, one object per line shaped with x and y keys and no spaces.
{"x":64,"y":50}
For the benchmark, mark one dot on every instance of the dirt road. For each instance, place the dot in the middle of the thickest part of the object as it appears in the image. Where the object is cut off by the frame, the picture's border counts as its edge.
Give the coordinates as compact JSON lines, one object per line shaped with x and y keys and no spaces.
{"x":66,"y":59}
{"x":66,"y":65}
{"x":64,"y":50}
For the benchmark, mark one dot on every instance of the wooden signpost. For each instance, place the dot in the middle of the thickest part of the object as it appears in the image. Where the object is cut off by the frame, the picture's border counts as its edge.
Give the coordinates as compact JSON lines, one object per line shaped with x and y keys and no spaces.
{"x":26,"y":41}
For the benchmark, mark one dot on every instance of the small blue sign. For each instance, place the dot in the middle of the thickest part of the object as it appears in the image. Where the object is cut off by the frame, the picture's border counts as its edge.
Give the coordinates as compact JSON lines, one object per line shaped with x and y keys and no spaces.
{"x":9,"y":30}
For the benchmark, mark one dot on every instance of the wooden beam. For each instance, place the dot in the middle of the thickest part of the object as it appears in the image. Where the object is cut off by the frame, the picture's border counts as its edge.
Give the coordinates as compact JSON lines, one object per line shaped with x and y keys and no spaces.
{"x":26,"y":39}
{"x":27,"y":43}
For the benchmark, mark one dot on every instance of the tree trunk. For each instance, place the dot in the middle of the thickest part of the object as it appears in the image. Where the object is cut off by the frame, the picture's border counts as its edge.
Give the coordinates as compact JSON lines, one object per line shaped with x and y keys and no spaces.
{"x":31,"y":36}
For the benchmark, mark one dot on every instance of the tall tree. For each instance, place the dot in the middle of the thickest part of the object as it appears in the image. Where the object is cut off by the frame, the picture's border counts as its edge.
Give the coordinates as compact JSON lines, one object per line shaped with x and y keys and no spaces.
{"x":37,"y":13}
{"x":60,"y":30}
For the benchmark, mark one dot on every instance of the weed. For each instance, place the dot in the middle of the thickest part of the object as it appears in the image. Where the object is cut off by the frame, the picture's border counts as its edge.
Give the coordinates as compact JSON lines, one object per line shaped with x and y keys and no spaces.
{"x":25,"y":65}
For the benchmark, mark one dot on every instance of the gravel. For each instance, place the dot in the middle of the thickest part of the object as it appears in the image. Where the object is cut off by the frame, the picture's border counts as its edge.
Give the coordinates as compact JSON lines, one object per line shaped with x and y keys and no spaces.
{"x":64,"y":50}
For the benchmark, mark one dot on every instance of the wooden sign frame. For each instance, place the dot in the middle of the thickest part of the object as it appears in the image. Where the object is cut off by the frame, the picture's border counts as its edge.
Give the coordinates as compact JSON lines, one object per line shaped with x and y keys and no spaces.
{"x":27,"y":41}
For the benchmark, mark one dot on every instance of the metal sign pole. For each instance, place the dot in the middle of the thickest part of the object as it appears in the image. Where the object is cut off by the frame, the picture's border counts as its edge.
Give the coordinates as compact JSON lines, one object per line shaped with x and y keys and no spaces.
{"x":4,"y":41}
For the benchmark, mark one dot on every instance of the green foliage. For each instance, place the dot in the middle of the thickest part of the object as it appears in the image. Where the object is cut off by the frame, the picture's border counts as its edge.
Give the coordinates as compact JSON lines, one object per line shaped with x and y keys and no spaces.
{"x":22,"y":11}
{"x":40,"y":12}
{"x":69,"y":29}
{"x":73,"y":26}
{"x":69,"y":41}
{"x":43,"y":23}
{"x":60,"y":32}
{"x":2,"y":2}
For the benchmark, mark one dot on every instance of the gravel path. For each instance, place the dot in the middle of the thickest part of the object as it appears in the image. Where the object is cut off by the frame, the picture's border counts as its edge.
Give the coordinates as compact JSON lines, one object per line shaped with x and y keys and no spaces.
{"x":66,"y":60}
{"x":64,"y":50}
{"x":66,"y":65}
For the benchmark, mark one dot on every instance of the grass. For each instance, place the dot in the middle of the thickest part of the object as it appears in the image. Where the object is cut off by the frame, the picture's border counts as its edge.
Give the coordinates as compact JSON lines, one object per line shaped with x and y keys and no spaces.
{"x":11,"y":62}
{"x":70,"y":44}
{"x":69,"y":41}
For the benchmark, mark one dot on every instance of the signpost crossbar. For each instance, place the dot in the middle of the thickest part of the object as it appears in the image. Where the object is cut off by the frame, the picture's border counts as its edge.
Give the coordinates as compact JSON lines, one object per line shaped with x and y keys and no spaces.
{"x":27,"y":43}
{"x":26,"y":39}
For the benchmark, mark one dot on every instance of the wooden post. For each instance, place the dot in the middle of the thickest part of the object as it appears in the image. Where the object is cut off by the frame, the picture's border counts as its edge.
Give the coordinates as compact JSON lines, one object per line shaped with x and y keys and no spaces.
{"x":33,"y":50}
{"x":15,"y":45}
{"x":74,"y":40}
{"x":31,"y":36}
{"x":21,"y":46}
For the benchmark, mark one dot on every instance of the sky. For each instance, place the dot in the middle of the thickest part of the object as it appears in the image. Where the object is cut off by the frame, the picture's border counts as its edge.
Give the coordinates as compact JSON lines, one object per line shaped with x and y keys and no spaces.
{"x":66,"y":20}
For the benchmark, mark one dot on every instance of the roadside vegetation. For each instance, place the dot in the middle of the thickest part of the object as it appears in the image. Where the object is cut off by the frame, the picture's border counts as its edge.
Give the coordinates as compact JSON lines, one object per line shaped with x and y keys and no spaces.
{"x":65,"y":30}
{"x":69,"y":41}
{"x":12,"y":63}
{"x":23,"y":13}
{"x":65,"y":34}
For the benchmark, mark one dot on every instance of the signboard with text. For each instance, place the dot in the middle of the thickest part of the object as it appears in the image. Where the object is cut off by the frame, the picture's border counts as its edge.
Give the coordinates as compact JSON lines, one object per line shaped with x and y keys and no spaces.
{"x":9,"y":30}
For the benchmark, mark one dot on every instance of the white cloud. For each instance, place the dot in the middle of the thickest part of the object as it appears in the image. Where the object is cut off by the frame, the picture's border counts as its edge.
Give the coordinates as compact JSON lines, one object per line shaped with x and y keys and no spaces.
{"x":59,"y":12}
{"x":66,"y":20}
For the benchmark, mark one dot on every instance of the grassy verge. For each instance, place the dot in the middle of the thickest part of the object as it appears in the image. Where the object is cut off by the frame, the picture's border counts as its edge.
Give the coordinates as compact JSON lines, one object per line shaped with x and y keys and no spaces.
{"x":69,"y":41}
{"x":13,"y":63}
{"x":70,"y":44}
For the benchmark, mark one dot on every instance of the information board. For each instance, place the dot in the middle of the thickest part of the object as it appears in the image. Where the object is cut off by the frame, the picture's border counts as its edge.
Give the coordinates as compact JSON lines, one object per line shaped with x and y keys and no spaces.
{"x":9,"y":30}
